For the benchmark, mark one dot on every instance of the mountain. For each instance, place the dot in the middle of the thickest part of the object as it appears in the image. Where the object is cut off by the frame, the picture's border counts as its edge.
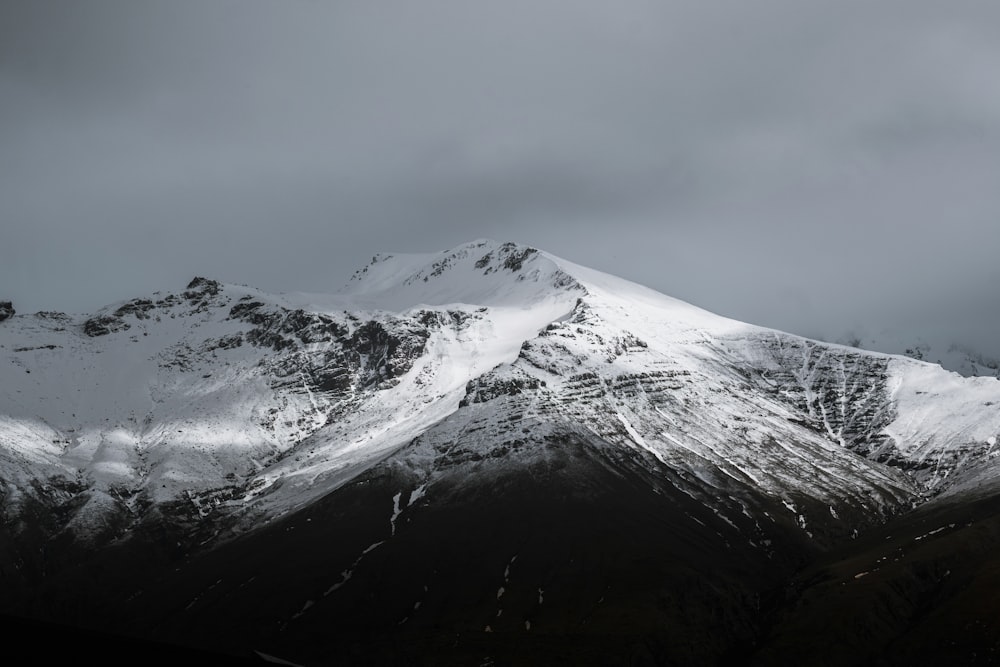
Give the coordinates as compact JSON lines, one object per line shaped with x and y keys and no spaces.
{"x":962,"y":358}
{"x":489,"y":455}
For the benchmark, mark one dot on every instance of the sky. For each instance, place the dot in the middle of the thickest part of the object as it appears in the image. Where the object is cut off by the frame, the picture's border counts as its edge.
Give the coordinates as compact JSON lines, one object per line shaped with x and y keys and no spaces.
{"x":817,"y":167}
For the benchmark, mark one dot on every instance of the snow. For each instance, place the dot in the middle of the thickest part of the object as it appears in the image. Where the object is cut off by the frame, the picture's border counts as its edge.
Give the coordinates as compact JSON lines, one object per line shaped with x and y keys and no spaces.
{"x":946,"y":423}
{"x":396,"y":511}
{"x":933,"y":532}
{"x":345,"y":576}
{"x":937,"y":408}
{"x":275,"y":660}
{"x":418,"y":493}
{"x":631,"y":431}
{"x":305,"y":608}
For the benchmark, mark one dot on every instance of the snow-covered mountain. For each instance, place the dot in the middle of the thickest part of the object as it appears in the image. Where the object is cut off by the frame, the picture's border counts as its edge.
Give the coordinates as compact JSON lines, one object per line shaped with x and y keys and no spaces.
{"x":962,"y":358}
{"x":435,"y":391}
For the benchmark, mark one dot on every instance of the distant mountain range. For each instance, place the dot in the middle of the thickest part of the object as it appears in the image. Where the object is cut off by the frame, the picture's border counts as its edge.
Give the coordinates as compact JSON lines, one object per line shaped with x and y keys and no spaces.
{"x":491,"y":455}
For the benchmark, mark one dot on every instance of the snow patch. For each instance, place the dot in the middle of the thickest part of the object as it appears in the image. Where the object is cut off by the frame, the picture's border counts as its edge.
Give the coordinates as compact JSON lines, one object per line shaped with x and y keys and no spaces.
{"x":933,"y":532}
{"x":305,"y":608}
{"x":417,"y":494}
{"x":346,"y":575}
{"x":275,"y":660}
{"x":631,"y":431}
{"x":396,"y":511}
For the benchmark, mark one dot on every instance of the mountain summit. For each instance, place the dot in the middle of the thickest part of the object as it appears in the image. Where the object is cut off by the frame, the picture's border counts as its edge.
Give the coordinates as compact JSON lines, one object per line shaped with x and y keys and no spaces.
{"x":459,"y":453}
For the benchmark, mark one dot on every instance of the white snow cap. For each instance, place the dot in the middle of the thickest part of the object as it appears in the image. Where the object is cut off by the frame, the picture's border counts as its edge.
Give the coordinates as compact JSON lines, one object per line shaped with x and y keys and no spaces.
{"x":483,"y":272}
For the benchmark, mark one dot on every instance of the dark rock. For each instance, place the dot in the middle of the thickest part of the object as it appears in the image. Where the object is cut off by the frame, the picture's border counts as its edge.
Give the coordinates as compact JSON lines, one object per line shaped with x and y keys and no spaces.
{"x":53,"y":315}
{"x":490,"y":386}
{"x":843,"y":392}
{"x":6,"y":310}
{"x":229,"y":342}
{"x":199,"y":288}
{"x":280,"y":328}
{"x":389,"y":352}
{"x":516,"y":258}
{"x":102,"y":325}
{"x":138,"y":307}
{"x":168,"y":301}
{"x":485,"y":260}
{"x":201,"y":283}
{"x":249,"y":311}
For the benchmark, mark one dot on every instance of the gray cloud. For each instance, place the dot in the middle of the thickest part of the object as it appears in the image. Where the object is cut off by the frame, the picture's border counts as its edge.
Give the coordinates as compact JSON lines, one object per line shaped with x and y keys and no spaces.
{"x":811,"y":167}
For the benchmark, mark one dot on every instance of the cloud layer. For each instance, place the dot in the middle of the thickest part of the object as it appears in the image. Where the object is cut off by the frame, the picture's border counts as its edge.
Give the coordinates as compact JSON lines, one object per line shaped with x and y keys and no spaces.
{"x":814,"y":167}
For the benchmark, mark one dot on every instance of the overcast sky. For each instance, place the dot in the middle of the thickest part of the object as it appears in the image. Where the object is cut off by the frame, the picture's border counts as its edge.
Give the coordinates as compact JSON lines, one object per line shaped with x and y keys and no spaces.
{"x":809,"y":166}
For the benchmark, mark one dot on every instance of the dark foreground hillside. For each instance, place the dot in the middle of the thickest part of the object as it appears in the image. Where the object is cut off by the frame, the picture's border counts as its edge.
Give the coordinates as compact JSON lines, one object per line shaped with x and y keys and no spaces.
{"x":580,"y":558}
{"x":922,"y":590}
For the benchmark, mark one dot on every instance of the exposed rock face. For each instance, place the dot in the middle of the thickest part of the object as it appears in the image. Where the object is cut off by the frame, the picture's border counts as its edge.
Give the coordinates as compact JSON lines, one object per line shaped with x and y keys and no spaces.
{"x":138,"y":308}
{"x":102,"y":325}
{"x":281,"y":329}
{"x":365,"y":354}
{"x":203,"y":285}
{"x":6,"y":310}
{"x":840,"y":392}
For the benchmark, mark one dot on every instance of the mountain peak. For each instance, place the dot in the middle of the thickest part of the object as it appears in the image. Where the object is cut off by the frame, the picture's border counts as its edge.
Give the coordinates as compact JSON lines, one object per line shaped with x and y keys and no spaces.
{"x":203,"y":284}
{"x":489,"y":255}
{"x":484,"y":272}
